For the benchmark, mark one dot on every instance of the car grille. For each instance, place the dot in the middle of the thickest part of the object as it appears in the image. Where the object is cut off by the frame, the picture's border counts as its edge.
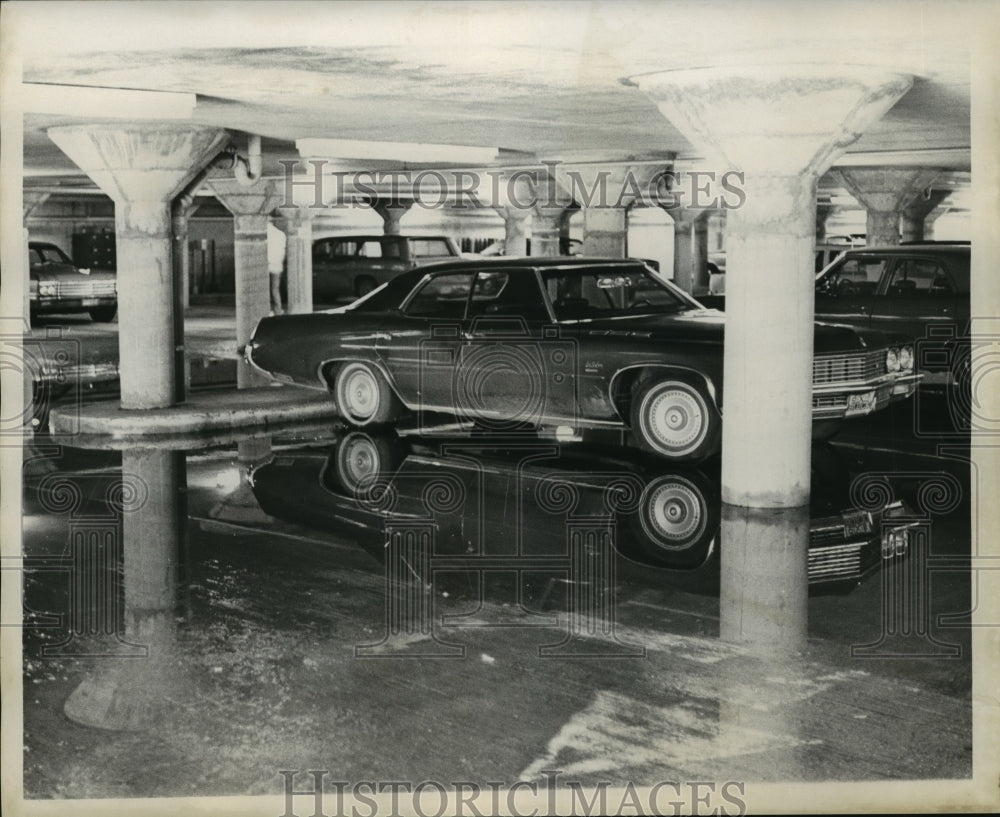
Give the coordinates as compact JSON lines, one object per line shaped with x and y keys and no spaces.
{"x":86,"y":289}
{"x":846,"y":368}
{"x":835,"y":562}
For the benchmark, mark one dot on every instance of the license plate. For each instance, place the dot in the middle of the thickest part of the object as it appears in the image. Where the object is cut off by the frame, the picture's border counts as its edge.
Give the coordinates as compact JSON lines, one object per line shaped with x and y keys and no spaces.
{"x":857,"y":523}
{"x":863,"y":403}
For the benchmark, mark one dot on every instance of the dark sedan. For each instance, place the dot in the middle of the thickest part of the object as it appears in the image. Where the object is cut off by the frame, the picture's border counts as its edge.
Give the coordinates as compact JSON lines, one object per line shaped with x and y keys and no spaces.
{"x":59,"y":286}
{"x":593,"y":343}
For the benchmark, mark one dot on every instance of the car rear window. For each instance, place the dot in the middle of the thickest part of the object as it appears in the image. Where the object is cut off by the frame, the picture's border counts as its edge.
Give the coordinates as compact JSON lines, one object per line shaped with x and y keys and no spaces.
{"x":443,"y":296}
{"x":920,"y":277}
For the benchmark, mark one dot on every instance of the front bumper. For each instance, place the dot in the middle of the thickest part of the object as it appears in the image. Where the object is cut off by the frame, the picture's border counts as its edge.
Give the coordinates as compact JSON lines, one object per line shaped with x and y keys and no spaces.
{"x":49,"y":305}
{"x":853,"y":399}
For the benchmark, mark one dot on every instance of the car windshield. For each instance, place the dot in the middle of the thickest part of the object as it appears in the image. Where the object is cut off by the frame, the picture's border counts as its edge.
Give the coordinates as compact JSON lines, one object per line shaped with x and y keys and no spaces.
{"x":602,"y":292}
{"x":48,"y":254}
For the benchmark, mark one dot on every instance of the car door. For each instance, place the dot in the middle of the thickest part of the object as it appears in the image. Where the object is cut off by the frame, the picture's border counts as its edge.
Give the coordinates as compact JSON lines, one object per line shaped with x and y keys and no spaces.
{"x":331,"y":259}
{"x":515,"y":366}
{"x":423,"y":341}
{"x":919,"y":297}
{"x":845,"y":292}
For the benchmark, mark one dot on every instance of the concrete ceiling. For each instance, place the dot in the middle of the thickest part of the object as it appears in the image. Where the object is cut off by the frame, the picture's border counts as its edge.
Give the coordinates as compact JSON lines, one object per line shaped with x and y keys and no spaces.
{"x":547,"y":80}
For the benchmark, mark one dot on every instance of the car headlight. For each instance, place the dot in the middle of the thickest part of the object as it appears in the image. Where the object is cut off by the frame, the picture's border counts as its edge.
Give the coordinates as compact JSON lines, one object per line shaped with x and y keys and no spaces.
{"x":906,"y":359}
{"x":47,"y":289}
{"x":892,"y":360}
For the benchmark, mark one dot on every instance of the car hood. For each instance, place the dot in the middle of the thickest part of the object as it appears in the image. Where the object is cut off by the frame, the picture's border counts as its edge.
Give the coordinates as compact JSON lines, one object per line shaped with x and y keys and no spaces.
{"x":708,"y":325}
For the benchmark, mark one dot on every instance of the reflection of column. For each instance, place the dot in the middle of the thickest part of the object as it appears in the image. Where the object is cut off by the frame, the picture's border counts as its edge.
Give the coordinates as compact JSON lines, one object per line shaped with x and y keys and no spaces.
{"x":94,"y":617}
{"x":764,"y":703}
{"x":763,"y":577}
{"x":137,"y":694}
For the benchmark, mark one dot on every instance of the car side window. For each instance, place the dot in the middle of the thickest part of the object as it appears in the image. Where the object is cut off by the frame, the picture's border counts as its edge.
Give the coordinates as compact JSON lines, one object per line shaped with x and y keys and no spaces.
{"x":858,"y":275}
{"x":443,"y":296}
{"x":511,"y":294}
{"x":920,"y":277}
{"x":428,"y":247}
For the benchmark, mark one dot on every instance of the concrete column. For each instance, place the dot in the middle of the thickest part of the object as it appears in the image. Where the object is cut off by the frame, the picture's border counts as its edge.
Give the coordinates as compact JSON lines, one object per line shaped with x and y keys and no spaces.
{"x":297,"y":224}
{"x":690,"y":247}
{"x":180,"y":220}
{"x":183,"y":208}
{"x":605,"y":232}
{"x":515,"y":227}
{"x":391,"y":210}
{"x":783,"y":126}
{"x":823,"y":213}
{"x":917,"y":213}
{"x":547,"y":224}
{"x":143,"y":168}
{"x":884,"y":193}
{"x":251,"y":206}
{"x":30,"y":202}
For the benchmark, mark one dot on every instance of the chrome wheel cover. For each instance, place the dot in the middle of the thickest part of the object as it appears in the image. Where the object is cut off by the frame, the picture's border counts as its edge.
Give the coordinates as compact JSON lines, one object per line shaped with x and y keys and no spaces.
{"x":673,"y":514}
{"x":674,"y":419}
{"x":359,"y":394}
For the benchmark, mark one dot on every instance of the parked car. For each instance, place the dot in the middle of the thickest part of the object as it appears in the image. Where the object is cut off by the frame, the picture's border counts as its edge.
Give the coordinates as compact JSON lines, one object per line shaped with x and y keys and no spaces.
{"x":918,"y":289}
{"x":554,"y":341}
{"x":57,"y":285}
{"x":488,"y":499}
{"x":350,"y":266}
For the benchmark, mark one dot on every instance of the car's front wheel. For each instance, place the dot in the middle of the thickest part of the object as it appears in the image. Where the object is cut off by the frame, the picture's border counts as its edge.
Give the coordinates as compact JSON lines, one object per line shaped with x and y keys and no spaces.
{"x":675,"y":419}
{"x":363,"y":396}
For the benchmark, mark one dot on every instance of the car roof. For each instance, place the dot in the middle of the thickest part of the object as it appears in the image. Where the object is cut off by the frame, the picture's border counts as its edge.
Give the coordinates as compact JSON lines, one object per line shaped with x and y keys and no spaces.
{"x":962,"y":248}
{"x":378,"y":237}
{"x":531,"y":261}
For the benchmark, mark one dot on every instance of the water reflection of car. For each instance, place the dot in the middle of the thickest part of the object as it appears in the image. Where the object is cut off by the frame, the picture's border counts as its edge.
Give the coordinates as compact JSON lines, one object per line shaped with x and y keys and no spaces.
{"x":585,"y":343}
{"x":58,"y":286}
{"x":350,"y":266}
{"x":491,"y":498}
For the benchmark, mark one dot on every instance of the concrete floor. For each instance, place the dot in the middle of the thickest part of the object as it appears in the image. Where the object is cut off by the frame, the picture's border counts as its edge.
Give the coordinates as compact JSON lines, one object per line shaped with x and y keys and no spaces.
{"x":252,"y":664}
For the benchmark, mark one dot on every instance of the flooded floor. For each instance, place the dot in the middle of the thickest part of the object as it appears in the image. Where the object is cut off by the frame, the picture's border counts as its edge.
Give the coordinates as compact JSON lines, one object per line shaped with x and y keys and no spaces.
{"x":452,"y":607}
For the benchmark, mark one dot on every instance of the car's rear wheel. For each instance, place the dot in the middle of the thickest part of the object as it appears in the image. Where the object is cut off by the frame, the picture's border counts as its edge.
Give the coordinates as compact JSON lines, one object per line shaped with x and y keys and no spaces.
{"x":103,"y":314}
{"x":676,"y":521}
{"x":675,"y":419}
{"x":363,"y":396}
{"x":363,"y":459}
